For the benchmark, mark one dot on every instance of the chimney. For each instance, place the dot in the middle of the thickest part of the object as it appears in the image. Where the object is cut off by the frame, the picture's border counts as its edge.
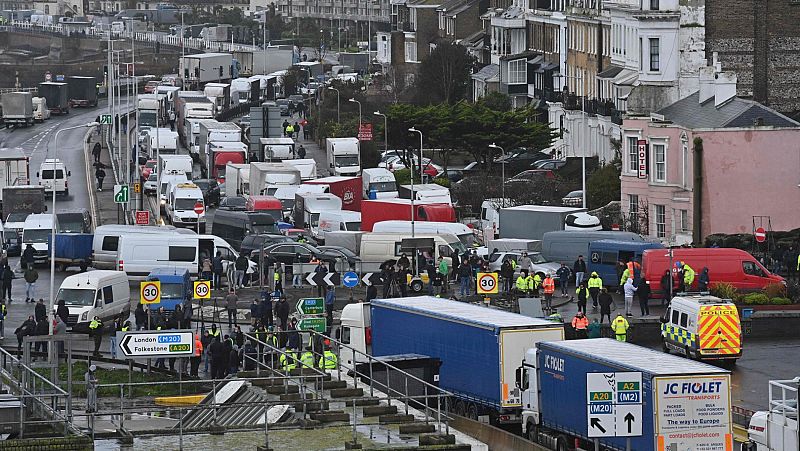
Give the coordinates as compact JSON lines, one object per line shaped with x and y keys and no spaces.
{"x":724,"y":87}
{"x":706,"y":83}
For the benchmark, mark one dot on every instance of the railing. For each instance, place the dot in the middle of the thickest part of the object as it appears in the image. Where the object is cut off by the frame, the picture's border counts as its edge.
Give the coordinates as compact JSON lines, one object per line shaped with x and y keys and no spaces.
{"x":741,"y":416}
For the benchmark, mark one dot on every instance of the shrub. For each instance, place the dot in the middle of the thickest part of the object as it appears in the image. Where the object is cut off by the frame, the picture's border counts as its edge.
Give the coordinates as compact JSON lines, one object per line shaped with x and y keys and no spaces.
{"x":756,"y":299}
{"x":724,"y":290}
{"x":775,"y":290}
{"x":780,"y":301}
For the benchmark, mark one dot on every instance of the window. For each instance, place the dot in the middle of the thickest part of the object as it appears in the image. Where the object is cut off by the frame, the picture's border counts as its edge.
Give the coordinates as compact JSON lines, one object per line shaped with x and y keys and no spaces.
{"x":684,"y":220}
{"x":684,"y":320}
{"x":110,"y":243}
{"x":411,"y":52}
{"x":517,"y":73}
{"x":660,"y":158}
{"x":661,"y":221}
{"x":182,"y":253}
{"x":345,"y":335}
{"x":654,"y":63}
{"x":633,"y":205}
{"x":633,"y":154}
{"x":752,"y":269}
{"x":108,"y":294}
{"x":675,"y":316}
{"x":654,"y":5}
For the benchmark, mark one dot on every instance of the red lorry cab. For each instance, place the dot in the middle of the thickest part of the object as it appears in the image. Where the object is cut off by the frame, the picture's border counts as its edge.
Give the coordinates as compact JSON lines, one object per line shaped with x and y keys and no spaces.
{"x":265,"y":204}
{"x":730,"y":265}
{"x":223,"y":158}
{"x":373,"y":211}
{"x":346,"y":188}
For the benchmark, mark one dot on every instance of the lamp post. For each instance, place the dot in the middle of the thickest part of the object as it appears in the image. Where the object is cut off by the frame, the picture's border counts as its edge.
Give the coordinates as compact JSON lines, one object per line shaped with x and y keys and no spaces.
{"x":414,"y":130}
{"x":359,"y":112}
{"x":53,"y":224}
{"x":385,"y":130}
{"x":503,"y":172}
{"x":338,"y":108}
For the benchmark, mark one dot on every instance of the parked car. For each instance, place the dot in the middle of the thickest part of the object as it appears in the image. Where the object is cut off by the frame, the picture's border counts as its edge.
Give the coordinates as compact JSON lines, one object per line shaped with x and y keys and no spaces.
{"x":233,"y":203}
{"x":531,"y":175}
{"x":395,"y":163}
{"x":552,"y":165}
{"x":521,"y":159}
{"x":148,"y":168}
{"x":455,"y":175}
{"x":151,"y":184}
{"x":573,"y":199}
{"x":290,"y":253}
{"x":210,"y":189}
{"x":283,"y":104}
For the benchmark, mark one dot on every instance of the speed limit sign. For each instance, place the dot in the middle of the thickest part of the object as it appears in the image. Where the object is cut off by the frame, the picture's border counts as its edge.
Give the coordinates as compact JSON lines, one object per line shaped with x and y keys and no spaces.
{"x":487,"y":283}
{"x":202,"y":289}
{"x":150,"y":292}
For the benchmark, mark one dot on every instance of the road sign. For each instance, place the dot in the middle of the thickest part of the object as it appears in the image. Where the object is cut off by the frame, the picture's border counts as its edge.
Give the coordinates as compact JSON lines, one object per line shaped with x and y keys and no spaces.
{"x":48,"y":76}
{"x":614,"y":404}
{"x":761,"y":235}
{"x":365,"y":132}
{"x":173,"y":343}
{"x":372,"y":278}
{"x":150,"y":292}
{"x":350,"y":279}
{"x":199,"y":208}
{"x":121,"y":194}
{"x":318,"y":324}
{"x":202,"y":289}
{"x":142,"y":217}
{"x":487,"y":283}
{"x":137,"y":187}
{"x":105,"y":119}
{"x":60,"y":77}
{"x":318,"y":279}
{"x":311,"y":306}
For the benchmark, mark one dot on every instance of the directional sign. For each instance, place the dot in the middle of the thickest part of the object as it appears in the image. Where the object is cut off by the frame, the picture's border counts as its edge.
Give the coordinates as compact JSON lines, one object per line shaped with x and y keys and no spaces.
{"x":150,"y":292}
{"x":487,"y":283}
{"x":316,"y":323}
{"x":350,"y":279}
{"x":173,"y":343}
{"x":121,"y":195}
{"x":202,"y":289}
{"x":142,"y":217}
{"x":614,"y":404}
{"x":311,"y":306}
{"x":105,"y":119}
{"x":317,"y":279}
{"x":372,"y":278}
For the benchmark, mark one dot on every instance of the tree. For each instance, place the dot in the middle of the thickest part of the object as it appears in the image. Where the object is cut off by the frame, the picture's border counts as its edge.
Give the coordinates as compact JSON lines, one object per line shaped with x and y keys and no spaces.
{"x":444,"y":74}
{"x":603,"y":186}
{"x":496,"y":101}
{"x":291,"y":80}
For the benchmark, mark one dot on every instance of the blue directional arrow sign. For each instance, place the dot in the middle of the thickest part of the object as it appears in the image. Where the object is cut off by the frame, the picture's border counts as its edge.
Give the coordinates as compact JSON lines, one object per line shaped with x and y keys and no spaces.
{"x":350,"y":279}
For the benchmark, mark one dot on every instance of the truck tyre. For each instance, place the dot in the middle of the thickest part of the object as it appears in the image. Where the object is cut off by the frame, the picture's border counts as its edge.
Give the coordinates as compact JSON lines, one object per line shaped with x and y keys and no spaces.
{"x":61,"y":267}
{"x":531,"y":432}
{"x":561,"y":443}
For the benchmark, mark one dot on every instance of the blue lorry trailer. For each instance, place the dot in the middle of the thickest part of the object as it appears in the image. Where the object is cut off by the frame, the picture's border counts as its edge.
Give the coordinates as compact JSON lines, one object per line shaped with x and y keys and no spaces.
{"x":604,"y":256}
{"x":176,"y":287}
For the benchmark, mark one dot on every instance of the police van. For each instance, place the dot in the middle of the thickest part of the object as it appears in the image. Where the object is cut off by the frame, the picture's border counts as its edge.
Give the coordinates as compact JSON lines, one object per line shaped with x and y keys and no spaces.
{"x":702,"y":327}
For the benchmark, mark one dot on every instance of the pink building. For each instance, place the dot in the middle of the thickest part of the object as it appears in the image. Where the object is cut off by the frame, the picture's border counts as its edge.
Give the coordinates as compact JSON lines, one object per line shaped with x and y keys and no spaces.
{"x":750,"y":161}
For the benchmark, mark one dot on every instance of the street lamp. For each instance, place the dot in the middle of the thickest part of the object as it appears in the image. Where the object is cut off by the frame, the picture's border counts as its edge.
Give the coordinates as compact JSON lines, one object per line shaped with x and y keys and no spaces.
{"x":338,"y":115}
{"x":53,"y":226}
{"x":385,"y":130}
{"x":414,"y":130}
{"x":359,"y":112}
{"x":503,"y":165}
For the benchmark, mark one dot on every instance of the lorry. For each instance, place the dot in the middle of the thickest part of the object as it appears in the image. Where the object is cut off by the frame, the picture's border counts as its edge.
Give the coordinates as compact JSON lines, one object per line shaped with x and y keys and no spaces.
{"x":278,"y":149}
{"x":82,"y":91}
{"x":73,"y":249}
{"x":19,"y":201}
{"x":428,"y":192}
{"x":373,"y":211}
{"x":480,"y":348}
{"x":306,"y":166}
{"x":170,"y":163}
{"x":237,"y":179}
{"x":346,"y":188}
{"x":223,"y":153}
{"x":240,"y":91}
{"x":378,"y":183}
{"x":344,"y":157}
{"x":533,"y":221}
{"x":40,"y":111}
{"x":308,"y":206}
{"x":17,"y":108}
{"x":206,"y":67}
{"x":263,"y":61}
{"x":219,"y":94}
{"x":161,"y":141}
{"x":263,"y":174}
{"x":191,"y":105}
{"x":151,"y":110}
{"x":213,"y":131}
{"x":632,"y":394}
{"x":15,"y":169}
{"x":176,"y":287}
{"x":57,"y":96}
{"x":776,"y":429}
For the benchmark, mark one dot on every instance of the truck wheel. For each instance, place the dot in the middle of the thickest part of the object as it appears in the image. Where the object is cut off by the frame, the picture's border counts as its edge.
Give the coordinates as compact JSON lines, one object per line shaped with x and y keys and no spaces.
{"x":664,"y":347}
{"x":416,"y":286}
{"x":531,"y":432}
{"x":61,"y":267}
{"x":561,"y":443}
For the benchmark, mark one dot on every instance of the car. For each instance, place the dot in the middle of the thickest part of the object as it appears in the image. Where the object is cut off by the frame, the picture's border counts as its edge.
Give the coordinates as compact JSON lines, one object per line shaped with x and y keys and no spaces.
{"x":150,"y":87}
{"x":538,"y":262}
{"x":455,"y":175}
{"x":352,"y":258}
{"x":310,"y":89}
{"x":296,"y":99}
{"x":210,"y":189}
{"x":233,"y":203}
{"x":520,"y":159}
{"x":13,"y":242}
{"x":573,"y":199}
{"x":151,"y":184}
{"x":148,"y":168}
{"x":395,"y":163}
{"x":552,"y":165}
{"x":531,"y":175}
{"x":254,"y":242}
{"x":291,"y":253}
{"x":283,"y":104}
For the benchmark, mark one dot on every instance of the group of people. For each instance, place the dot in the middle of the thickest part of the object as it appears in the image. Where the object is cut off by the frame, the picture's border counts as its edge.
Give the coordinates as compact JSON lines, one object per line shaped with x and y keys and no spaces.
{"x":293,"y":130}
{"x":238,"y":274}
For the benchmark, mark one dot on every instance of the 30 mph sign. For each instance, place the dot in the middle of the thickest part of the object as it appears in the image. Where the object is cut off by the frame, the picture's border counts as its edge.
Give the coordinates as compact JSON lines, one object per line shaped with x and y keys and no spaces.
{"x":150,"y":292}
{"x":487,"y":283}
{"x":202,"y":289}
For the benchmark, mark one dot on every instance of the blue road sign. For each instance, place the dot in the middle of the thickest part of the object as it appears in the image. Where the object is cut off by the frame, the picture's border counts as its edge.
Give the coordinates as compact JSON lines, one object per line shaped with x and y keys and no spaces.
{"x":350,"y":279}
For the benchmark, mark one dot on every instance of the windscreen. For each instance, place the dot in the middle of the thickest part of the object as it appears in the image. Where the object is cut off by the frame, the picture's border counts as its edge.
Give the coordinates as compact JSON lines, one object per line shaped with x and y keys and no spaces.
{"x":346,"y":161}
{"x":36,"y":235}
{"x":383,"y":187}
{"x":147,"y":119}
{"x":467,"y":239}
{"x":172,"y":290}
{"x":537,"y":258}
{"x":70,"y":223}
{"x":17,"y":217}
{"x":185,"y":204}
{"x":354,"y":226}
{"x":74,"y":296}
{"x":314,"y":219}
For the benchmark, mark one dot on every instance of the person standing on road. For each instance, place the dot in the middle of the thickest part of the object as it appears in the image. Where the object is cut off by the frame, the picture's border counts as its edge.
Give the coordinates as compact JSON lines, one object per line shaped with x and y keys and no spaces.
{"x":8,"y":277}
{"x":579,"y":324}
{"x":643,"y":293}
{"x":594,"y":329}
{"x":549,"y":287}
{"x":464,"y":275}
{"x":666,"y":287}
{"x":579,"y":268}
{"x":241,"y":265}
{"x":525,"y":262}
{"x":118,"y":326}
{"x":630,"y":290}
{"x":206,"y":269}
{"x":583,"y":294}
{"x":255,"y":312}
{"x":96,"y":332}
{"x":444,"y":270}
{"x":301,"y":152}
{"x":605,"y":305}
{"x":100,"y":174}
{"x":96,"y":152}
{"x":563,"y":274}
{"x":282,"y":313}
{"x":595,"y":284}
{"x":3,"y":313}
{"x":217,"y":268}
{"x":620,"y":327}
{"x":507,"y":273}
{"x":703,"y":280}
{"x":231,"y":304}
{"x":265,"y":308}
{"x":330,"y":299}
{"x":62,"y":311}
{"x":140,"y":317}
{"x":26,"y":259}
{"x":31,"y":275}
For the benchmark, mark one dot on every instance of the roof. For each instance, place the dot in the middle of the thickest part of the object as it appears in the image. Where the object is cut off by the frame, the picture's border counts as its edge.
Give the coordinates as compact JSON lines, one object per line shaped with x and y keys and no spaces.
{"x":528,"y":54}
{"x":610,"y":72}
{"x":736,"y":112}
{"x":475,"y":38}
{"x":546,"y":208}
{"x":461,"y":311}
{"x":628,"y":356}
{"x":487,"y":73}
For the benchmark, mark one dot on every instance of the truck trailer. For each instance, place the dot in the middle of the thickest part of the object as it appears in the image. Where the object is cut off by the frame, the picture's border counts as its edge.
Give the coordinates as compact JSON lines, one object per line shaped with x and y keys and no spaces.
{"x":531,"y":222}
{"x":15,"y":169}
{"x":346,"y":188}
{"x":18,"y":108}
{"x":57,"y":96}
{"x":373,"y":211}
{"x":206,"y":67}
{"x":82,"y":91}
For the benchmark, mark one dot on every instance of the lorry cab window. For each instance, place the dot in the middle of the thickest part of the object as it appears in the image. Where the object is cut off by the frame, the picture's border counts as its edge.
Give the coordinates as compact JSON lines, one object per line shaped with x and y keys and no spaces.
{"x":36,"y":235}
{"x":345,"y":161}
{"x":383,"y":187}
{"x":352,"y":226}
{"x":75,"y":296}
{"x":445,"y":251}
{"x":172,"y":290}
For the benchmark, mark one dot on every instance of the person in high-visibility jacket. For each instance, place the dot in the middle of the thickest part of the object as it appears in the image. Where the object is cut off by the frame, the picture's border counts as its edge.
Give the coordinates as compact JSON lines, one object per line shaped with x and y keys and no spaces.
{"x":688,"y":277}
{"x":307,"y":359}
{"x":549,"y":287}
{"x":522,"y":282}
{"x":328,"y":361}
{"x":288,"y":361}
{"x":96,"y":331}
{"x":195,"y":359}
{"x":626,"y":274}
{"x":214,"y":332}
{"x":580,"y":323}
{"x":594,"y":284}
{"x":277,"y":279}
{"x":537,"y":282}
{"x":620,"y":327}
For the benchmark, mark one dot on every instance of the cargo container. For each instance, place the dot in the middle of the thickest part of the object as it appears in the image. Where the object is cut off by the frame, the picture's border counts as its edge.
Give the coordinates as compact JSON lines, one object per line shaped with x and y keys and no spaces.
{"x":219,"y":94}
{"x":574,"y":391}
{"x":480,"y":348}
{"x":214,"y":131}
{"x":18,"y":108}
{"x":14,"y":169}
{"x":308,"y":206}
{"x":346,"y":188}
{"x":373,"y":211}
{"x":237,"y":179}
{"x":278,"y":149}
{"x":40,"y":111}
{"x":82,"y":91}
{"x":206,"y":67}
{"x":25,"y":199}
{"x":263,"y":174}
{"x":379,"y":183}
{"x":72,"y":249}
{"x":531,"y":222}
{"x":57,"y":96}
{"x":426,"y":192}
{"x":306,"y":166}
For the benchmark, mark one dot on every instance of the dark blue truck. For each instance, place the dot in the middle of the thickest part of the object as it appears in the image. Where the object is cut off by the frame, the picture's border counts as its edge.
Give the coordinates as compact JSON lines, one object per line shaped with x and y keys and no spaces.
{"x":176,"y":287}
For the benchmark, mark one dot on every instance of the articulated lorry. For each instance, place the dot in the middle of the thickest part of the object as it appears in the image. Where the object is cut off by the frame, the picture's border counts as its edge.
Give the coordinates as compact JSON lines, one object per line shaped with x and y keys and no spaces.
{"x":82,"y":91}
{"x":57,"y":96}
{"x":265,"y":174}
{"x":18,"y":108}
{"x":15,"y":169}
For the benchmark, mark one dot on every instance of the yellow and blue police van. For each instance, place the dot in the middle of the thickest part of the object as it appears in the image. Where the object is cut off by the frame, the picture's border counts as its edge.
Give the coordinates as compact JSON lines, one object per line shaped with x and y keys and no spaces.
{"x":702,"y":327}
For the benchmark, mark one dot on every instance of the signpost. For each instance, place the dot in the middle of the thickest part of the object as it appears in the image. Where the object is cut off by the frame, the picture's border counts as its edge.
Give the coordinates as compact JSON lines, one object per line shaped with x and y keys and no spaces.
{"x":316,"y":279}
{"x":121,"y":194}
{"x":372,"y":278}
{"x":311,"y":306}
{"x":365,"y":132}
{"x":641,"y":150}
{"x":761,"y":235}
{"x":202,"y":289}
{"x":150,"y":292}
{"x":105,"y":119}
{"x":142,"y":217}
{"x":199,"y":208}
{"x":147,"y":344}
{"x":614,"y":404}
{"x":318,"y":324}
{"x":487,"y":283}
{"x":350,"y":279}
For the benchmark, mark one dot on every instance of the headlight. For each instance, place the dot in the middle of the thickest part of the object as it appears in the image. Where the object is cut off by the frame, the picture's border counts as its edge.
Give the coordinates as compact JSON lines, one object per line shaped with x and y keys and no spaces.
{"x":163,"y":202}
{"x":84,"y":316}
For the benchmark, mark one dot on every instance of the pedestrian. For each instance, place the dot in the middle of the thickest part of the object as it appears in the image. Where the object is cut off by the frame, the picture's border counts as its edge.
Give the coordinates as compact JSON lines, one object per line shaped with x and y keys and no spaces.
{"x":595,"y":283}
{"x":194,"y":361}
{"x":320,"y":269}
{"x":216,"y":351}
{"x":290,"y":131}
{"x":330,"y":299}
{"x":301,"y":152}
{"x":549,"y":286}
{"x":372,"y":292}
{"x":277,"y":279}
{"x":563,"y":274}
{"x":118,"y":325}
{"x":96,"y":152}
{"x":620,"y":327}
{"x":188,"y":314}
{"x":205,"y":342}
{"x":3,"y":314}
{"x":8,"y":277}
{"x":28,"y":327}
{"x":605,"y":301}
{"x":40,"y":310}
{"x":250,"y":356}
{"x":26,"y":259}
{"x":579,"y":268}
{"x":594,"y":330}
{"x":582,"y":294}
{"x":387,"y":276}
{"x":206,"y":269}
{"x":284,"y":126}
{"x":308,"y":131}
{"x":507,"y":273}
{"x":238,"y":336}
{"x":703,"y":280}
{"x":629,"y":290}
{"x":580,"y":324}
{"x":265,"y":310}
{"x":140,"y":317}
{"x":96,"y":332}
{"x":667,"y":284}
{"x":522,"y":283}
{"x":444,"y":272}
{"x":172,"y":120}
{"x":90,"y":378}
{"x":282,"y":313}
{"x":42,"y":330}
{"x":643,"y":293}
{"x":241,"y":265}
{"x":430,"y":270}
{"x":62,"y":311}
{"x":464,"y":275}
{"x":296,"y":129}
{"x":217,"y":268}
{"x":100,"y":174}
{"x":525,"y":262}
{"x":255,"y":312}
{"x":231,"y":303}
{"x":60,"y":329}
{"x":293,"y":340}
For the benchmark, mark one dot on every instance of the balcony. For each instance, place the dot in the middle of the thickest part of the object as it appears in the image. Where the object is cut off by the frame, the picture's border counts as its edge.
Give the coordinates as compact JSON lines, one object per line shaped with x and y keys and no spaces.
{"x":573,"y":102}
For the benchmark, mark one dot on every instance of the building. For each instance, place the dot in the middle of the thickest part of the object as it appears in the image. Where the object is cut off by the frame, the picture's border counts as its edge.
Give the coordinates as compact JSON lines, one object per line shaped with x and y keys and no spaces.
{"x":459,"y":19}
{"x":749,"y":165}
{"x":351,"y":20}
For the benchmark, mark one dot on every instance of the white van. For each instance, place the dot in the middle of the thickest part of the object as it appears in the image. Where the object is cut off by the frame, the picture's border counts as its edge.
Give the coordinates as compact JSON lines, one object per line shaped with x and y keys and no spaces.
{"x":330,"y":221}
{"x":105,"y":244}
{"x":40,"y":111}
{"x":180,"y":206}
{"x":53,"y":172}
{"x":376,"y":248}
{"x":104,"y":294}
{"x":168,"y":179}
{"x":379,"y":183}
{"x":139,"y":253}
{"x":464,"y":233}
{"x":36,"y":232}
{"x":170,"y":164}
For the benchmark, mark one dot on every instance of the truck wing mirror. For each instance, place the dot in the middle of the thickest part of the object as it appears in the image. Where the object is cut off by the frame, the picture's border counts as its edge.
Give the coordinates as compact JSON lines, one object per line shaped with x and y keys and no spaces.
{"x":69,"y":173}
{"x":664,"y":317}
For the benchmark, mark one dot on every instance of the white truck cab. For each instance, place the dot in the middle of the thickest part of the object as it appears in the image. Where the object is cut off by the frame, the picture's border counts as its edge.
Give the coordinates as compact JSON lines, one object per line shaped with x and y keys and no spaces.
{"x":36,"y":232}
{"x":52,"y":173}
{"x":776,"y":429}
{"x":40,"y":111}
{"x":355,"y":331}
{"x":169,"y":178}
{"x":180,"y":206}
